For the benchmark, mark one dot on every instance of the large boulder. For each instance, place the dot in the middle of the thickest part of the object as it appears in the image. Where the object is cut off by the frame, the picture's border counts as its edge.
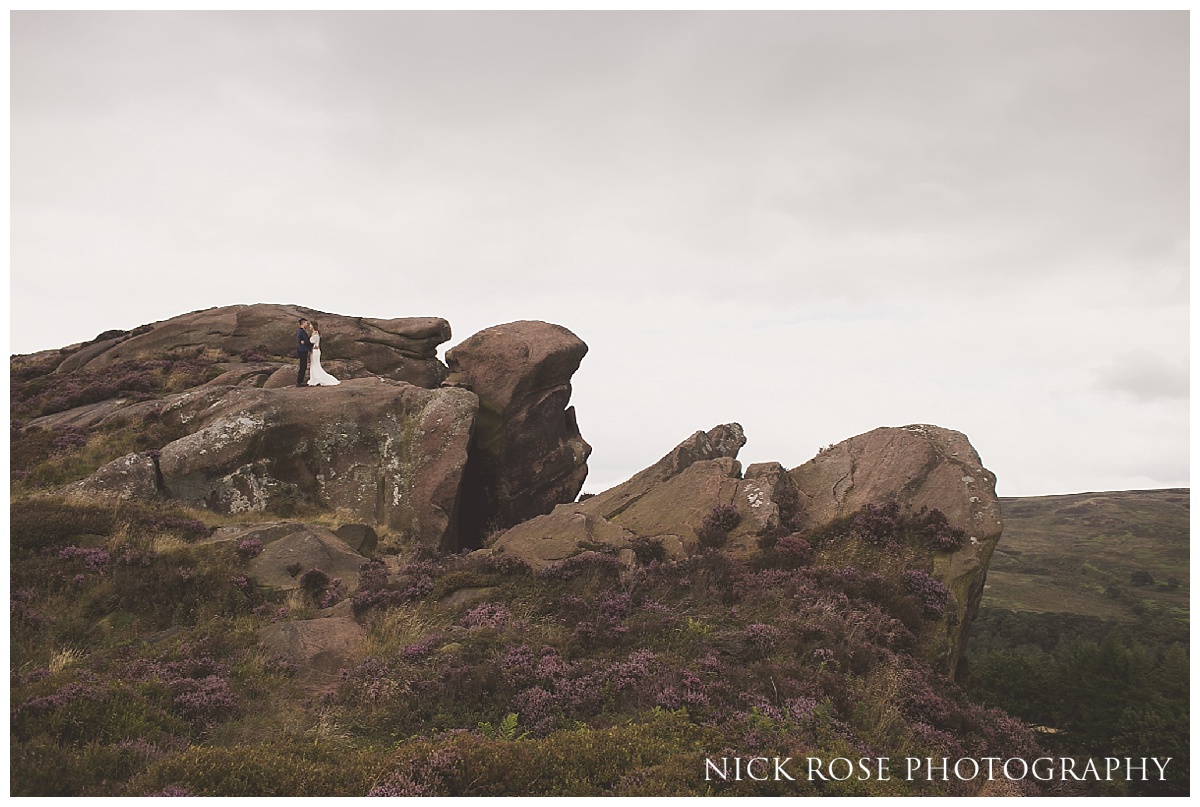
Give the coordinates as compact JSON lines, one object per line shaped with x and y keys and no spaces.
{"x":672,"y":510}
{"x":527,"y":454}
{"x":284,"y":560}
{"x":402,"y":349}
{"x":559,"y":535}
{"x":319,"y":648}
{"x":374,"y":451}
{"x":134,"y":476}
{"x":916,"y":466}
{"x":288,"y":549}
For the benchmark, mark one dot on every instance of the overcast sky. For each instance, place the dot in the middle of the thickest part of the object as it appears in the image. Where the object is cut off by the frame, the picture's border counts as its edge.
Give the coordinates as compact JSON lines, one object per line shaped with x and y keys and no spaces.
{"x":810,"y":223}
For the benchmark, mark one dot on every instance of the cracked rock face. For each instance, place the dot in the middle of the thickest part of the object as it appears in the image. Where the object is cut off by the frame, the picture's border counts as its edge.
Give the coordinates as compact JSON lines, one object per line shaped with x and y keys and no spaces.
{"x":373,"y":451}
{"x":527,"y":454}
{"x":916,"y":466}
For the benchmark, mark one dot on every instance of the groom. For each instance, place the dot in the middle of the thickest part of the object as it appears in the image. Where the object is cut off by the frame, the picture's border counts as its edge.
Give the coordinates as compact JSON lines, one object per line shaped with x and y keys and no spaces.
{"x":303,"y":347}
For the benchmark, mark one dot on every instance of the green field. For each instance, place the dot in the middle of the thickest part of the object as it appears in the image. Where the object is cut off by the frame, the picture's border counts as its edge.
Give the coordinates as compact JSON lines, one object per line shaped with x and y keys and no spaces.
{"x":1091,"y":553}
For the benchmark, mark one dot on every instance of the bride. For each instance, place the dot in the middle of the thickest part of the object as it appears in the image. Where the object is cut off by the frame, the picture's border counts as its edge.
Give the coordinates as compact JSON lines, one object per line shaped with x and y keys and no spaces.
{"x":317,"y":377}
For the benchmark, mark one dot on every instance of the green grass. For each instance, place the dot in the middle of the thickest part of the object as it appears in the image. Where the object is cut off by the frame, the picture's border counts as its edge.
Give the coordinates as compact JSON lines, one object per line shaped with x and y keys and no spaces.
{"x":1077,"y":554}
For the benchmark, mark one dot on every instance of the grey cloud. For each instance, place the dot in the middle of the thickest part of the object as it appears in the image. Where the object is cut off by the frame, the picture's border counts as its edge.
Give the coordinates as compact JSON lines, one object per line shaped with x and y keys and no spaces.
{"x":1145,"y":377}
{"x":864,"y":193}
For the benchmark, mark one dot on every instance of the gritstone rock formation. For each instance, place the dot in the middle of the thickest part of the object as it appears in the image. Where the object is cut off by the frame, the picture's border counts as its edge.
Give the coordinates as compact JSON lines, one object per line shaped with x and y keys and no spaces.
{"x":916,"y":466}
{"x":387,"y":447}
{"x":666,"y":502}
{"x":372,"y":450}
{"x":526,"y":451}
{"x":399,"y":349}
{"x":494,"y":449}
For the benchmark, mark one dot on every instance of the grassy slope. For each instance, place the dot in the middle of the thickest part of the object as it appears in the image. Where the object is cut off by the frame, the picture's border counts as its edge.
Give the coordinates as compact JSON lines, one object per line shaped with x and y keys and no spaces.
{"x":1065,"y":638}
{"x":1076,"y":554}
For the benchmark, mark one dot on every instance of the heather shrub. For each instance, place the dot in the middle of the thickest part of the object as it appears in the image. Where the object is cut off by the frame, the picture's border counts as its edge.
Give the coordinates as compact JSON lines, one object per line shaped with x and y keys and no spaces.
{"x":933,"y":595}
{"x":758,"y":639}
{"x":406,"y":784}
{"x":648,"y":550}
{"x":314,"y":582}
{"x":138,"y":379}
{"x":109,"y":711}
{"x":93,"y":559}
{"x":597,"y":566}
{"x":258,"y":353}
{"x":374,"y":590}
{"x":490,"y":615}
{"x":877,"y":524}
{"x":783,"y":552}
{"x":203,"y":701}
{"x":886,"y":527}
{"x":715,"y":527}
{"x":597,"y":619}
{"x":794,"y":550}
{"x":26,"y":368}
{"x":415,"y":579}
{"x":933,"y":528}
{"x":248,"y":548}
{"x":42,"y":522}
{"x":767,"y":538}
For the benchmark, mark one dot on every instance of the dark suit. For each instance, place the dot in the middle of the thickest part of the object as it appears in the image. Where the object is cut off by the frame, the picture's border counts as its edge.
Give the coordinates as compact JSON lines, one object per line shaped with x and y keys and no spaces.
{"x":303,"y":347}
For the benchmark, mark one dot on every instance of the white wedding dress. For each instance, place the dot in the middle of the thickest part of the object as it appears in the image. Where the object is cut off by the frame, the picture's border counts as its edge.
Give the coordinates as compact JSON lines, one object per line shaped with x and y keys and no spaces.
{"x":317,"y":377}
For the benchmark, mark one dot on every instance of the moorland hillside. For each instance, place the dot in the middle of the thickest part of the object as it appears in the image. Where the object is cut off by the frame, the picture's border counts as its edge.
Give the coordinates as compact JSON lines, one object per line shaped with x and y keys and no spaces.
{"x":225,"y":585}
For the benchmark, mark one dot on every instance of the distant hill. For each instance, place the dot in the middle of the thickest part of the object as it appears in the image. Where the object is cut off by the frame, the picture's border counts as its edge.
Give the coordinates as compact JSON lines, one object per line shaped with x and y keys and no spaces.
{"x":1083,"y":628}
{"x":1108,"y":555}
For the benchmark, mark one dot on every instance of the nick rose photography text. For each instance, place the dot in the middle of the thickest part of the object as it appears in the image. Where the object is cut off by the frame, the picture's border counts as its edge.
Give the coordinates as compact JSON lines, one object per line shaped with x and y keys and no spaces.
{"x":943,"y":769}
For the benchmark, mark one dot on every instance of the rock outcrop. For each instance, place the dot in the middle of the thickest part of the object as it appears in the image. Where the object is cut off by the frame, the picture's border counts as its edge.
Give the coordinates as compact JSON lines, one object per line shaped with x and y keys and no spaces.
{"x":402,"y":349}
{"x":496,"y":445}
{"x":373,"y":451}
{"x":495,"y":448}
{"x":527,"y":454}
{"x":721,"y":442}
{"x":666,"y":502}
{"x":134,"y":476}
{"x":284,"y":560}
{"x":319,"y":648}
{"x":915,"y":466}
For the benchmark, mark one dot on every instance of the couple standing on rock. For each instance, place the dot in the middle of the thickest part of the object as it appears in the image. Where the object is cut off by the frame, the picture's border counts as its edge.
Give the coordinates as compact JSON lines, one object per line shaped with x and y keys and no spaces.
{"x":308,"y":340}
